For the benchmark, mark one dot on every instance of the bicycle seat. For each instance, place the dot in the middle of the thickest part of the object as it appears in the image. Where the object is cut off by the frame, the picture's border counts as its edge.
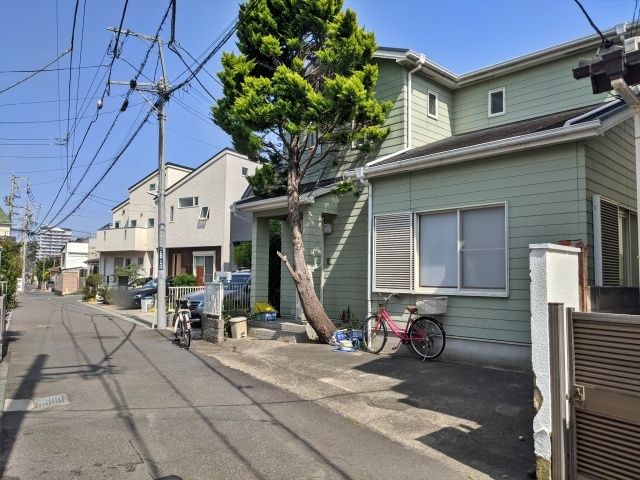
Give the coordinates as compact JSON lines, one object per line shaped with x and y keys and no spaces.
{"x":412,"y":309}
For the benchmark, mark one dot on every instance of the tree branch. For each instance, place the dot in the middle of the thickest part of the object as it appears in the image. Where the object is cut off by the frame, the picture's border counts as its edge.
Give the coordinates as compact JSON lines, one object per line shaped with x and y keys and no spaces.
{"x":285,"y":260}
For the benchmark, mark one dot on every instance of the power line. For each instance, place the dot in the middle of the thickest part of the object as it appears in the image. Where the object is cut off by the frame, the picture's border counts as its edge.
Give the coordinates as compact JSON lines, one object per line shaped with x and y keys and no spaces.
{"x":55,"y":120}
{"x":52,"y":70}
{"x":34,"y":73}
{"x":605,"y":43}
{"x":73,"y":34}
{"x":106,"y":172}
{"x":35,"y":102}
{"x":139,"y":73}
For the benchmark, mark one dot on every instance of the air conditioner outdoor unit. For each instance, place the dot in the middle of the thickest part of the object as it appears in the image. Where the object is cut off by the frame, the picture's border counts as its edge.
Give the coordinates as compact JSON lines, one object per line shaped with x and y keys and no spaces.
{"x":631,"y":44}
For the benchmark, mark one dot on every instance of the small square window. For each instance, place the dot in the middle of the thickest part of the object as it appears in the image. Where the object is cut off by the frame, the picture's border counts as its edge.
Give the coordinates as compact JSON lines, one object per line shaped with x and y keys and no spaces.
{"x":432,"y":105}
{"x":204,"y":213}
{"x":133,"y":223}
{"x":151,"y":222}
{"x":171,"y":210}
{"x":116,"y":225}
{"x":152,"y":187}
{"x":497,"y":102}
{"x":127,"y":262}
{"x":140,"y":260}
{"x":245,"y":171}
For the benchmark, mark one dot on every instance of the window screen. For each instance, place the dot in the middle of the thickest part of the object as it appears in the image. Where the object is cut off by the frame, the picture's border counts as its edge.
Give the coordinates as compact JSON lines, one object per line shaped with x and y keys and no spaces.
{"x":496,"y":102}
{"x":482,"y":244}
{"x":438,"y":250}
{"x":433,"y":104}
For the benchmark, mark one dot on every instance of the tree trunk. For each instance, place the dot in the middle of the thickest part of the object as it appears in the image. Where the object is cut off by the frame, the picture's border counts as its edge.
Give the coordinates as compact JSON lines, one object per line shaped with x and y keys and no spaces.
{"x":311,"y":306}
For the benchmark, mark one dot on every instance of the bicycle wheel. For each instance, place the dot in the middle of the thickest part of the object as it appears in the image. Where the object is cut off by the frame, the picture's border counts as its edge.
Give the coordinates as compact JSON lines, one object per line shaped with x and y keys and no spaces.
{"x":185,"y":337}
{"x":374,"y":334}
{"x":427,"y":338}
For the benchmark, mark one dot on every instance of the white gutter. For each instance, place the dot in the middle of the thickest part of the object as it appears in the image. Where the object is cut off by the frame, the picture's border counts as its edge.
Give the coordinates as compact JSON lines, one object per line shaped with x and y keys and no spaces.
{"x":453,"y":80}
{"x":595,"y":111}
{"x":512,"y":144}
{"x":279,"y":202}
{"x":369,"y":246}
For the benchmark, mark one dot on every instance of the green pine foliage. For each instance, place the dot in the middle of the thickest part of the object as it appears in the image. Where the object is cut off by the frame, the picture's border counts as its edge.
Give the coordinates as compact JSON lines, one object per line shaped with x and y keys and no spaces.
{"x":303,"y":67}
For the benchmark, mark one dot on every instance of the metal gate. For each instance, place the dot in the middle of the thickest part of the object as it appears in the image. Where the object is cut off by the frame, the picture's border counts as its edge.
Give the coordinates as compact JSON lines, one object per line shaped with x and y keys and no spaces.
{"x":603,"y":360}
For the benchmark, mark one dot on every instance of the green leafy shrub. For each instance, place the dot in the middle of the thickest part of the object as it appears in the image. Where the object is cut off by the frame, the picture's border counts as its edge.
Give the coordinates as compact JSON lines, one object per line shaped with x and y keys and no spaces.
{"x":242,"y":254}
{"x":131,"y":271}
{"x":184,"y":280}
{"x":105,"y":293}
{"x":90,"y":288}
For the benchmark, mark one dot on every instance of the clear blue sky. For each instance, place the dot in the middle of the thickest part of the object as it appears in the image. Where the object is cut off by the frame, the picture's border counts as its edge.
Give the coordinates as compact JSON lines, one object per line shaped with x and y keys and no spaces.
{"x":461,"y":35}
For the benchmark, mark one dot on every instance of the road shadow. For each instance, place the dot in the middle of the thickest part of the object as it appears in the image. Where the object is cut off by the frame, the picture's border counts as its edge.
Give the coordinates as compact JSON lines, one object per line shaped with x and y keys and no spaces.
{"x":494,"y":434}
{"x":25,"y":391}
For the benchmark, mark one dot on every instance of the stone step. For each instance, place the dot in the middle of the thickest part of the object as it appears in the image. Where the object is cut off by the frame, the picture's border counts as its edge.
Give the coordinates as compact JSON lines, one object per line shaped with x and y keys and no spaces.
{"x":280,"y":325}
{"x":277,"y":334}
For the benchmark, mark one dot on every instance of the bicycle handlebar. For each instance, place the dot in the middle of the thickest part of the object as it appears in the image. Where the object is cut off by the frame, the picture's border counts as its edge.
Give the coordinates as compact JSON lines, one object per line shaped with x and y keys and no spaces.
{"x":385,"y":300}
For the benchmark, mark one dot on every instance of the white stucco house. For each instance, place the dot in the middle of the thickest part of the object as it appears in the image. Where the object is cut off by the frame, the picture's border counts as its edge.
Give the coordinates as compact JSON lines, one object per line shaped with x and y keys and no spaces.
{"x":201,"y":228}
{"x":131,"y":235}
{"x":74,"y":255}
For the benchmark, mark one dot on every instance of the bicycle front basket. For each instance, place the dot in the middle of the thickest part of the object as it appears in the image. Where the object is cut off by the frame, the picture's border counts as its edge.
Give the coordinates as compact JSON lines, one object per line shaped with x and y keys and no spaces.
{"x":432,"y":305}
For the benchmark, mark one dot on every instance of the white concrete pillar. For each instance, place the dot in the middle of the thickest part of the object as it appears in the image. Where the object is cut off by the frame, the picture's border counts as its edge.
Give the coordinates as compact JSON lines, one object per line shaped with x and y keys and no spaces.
{"x":554,"y":279}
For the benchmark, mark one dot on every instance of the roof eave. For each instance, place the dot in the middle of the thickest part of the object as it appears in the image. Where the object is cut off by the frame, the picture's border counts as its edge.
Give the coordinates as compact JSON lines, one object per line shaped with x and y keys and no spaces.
{"x":503,"y":146}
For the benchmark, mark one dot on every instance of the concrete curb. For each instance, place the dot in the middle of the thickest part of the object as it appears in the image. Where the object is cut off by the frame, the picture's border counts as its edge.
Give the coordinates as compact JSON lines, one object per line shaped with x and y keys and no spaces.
{"x":128,"y":318}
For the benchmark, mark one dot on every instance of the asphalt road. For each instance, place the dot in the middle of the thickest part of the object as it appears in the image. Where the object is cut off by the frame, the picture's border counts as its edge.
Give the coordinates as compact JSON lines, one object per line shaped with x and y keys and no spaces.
{"x":140,"y":407}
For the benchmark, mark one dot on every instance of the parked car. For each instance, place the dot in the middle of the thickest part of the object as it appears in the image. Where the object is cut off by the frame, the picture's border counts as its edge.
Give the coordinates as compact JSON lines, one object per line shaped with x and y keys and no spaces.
{"x":236,"y":295}
{"x":131,"y":298}
{"x":195,"y":303}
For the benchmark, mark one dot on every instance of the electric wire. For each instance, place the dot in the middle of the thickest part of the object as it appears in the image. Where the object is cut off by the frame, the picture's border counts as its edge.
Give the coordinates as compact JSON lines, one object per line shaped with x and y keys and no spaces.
{"x":84,"y":67}
{"x":605,"y":42}
{"x":106,"y":172}
{"x":73,"y":35}
{"x":19,"y":82}
{"x":128,"y":94}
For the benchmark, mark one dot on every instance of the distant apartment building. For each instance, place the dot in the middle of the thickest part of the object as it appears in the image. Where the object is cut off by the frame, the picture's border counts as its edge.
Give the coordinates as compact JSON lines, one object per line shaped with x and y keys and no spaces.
{"x":51,"y":240}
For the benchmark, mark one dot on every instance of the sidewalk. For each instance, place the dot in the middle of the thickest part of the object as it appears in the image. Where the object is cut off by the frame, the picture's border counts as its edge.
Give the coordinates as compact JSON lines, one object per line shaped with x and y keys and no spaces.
{"x":146,"y":319}
{"x":476,"y":420}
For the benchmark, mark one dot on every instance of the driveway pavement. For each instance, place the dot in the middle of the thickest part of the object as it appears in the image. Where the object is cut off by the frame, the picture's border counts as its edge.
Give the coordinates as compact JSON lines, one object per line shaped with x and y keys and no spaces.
{"x":476,"y":420}
{"x":114,"y":400}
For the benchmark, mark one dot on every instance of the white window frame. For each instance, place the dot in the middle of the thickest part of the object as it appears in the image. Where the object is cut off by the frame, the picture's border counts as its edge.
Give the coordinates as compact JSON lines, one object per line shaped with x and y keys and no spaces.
{"x":171,"y":213}
{"x":245,"y":171}
{"x":429,"y":93}
{"x":459,"y":290}
{"x":152,"y":187}
{"x":504,"y":102}
{"x":204,"y":217}
{"x":133,"y":223}
{"x":204,"y":253}
{"x":116,"y":224}
{"x":194,"y":202}
{"x":151,"y":222}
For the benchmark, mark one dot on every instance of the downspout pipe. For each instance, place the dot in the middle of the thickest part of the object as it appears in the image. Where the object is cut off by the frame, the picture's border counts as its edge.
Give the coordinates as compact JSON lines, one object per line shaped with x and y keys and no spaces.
{"x":362,"y":179}
{"x":631,"y":98}
{"x":422,"y":60}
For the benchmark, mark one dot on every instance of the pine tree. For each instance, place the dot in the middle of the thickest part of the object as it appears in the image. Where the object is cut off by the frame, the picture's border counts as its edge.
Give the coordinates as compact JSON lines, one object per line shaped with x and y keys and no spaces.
{"x":299,"y":93}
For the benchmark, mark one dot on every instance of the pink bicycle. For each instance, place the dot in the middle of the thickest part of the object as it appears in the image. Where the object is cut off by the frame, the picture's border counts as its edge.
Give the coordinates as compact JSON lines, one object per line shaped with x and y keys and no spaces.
{"x":424,"y":333}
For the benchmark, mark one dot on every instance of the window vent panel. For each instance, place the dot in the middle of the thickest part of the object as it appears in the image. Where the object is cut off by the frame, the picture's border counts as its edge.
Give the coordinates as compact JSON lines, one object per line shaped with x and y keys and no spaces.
{"x":610,"y":243}
{"x":393,"y":253}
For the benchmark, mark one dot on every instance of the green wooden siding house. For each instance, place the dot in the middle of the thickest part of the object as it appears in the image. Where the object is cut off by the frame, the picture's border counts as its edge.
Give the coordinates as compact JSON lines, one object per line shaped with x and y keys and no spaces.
{"x":476,"y":168}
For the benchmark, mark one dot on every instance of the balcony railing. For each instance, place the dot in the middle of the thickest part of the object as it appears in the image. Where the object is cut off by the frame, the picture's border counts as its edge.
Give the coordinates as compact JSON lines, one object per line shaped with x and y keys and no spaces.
{"x":134,"y":239}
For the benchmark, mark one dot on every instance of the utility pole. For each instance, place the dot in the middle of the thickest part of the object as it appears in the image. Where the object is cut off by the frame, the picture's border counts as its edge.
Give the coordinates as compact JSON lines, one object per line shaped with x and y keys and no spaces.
{"x":26,"y":223}
{"x":9,"y":199}
{"x":162,"y":91}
